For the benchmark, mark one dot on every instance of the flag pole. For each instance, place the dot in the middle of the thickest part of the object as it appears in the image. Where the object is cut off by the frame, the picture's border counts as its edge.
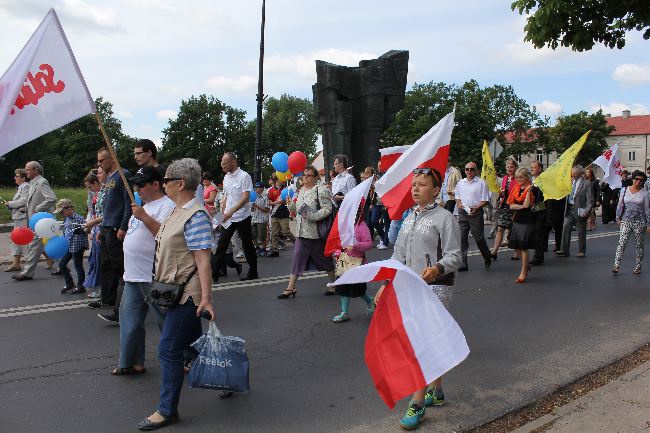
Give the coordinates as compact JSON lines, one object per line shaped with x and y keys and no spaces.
{"x":111,"y":149}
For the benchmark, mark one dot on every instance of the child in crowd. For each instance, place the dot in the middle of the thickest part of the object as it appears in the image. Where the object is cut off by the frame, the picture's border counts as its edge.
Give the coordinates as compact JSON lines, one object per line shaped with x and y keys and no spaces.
{"x":428,"y":243}
{"x":73,"y":232}
{"x":354,"y":255}
{"x":260,"y":219}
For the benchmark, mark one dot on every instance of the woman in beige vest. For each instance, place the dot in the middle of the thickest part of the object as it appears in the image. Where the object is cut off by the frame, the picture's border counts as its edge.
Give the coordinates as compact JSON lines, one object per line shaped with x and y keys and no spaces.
{"x":184,"y":243}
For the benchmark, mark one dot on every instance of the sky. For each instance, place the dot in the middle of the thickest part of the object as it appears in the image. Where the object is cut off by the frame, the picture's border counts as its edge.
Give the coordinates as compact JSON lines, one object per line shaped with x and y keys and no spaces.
{"x":145,"y":56}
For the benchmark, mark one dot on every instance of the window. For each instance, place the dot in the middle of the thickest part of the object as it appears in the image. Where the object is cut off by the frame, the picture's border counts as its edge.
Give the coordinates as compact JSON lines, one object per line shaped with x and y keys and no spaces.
{"x":540,"y":155}
{"x":631,"y":156}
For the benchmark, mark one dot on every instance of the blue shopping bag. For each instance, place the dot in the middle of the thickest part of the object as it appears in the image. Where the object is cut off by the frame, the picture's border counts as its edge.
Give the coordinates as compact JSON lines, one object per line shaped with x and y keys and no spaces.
{"x":222,"y":363}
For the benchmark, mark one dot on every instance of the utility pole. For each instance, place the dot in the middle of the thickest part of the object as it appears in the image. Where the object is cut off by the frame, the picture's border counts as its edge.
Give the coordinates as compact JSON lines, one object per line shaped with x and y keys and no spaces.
{"x":260,"y":104}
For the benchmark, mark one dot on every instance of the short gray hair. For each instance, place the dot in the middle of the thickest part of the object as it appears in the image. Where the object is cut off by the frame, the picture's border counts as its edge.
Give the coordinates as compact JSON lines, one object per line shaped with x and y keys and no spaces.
{"x":187,"y":169}
{"x":579,"y":168}
{"x":36,"y":166}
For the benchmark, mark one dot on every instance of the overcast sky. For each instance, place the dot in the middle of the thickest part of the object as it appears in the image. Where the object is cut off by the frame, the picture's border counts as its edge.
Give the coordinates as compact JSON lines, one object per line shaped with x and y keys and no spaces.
{"x":144,"y":56}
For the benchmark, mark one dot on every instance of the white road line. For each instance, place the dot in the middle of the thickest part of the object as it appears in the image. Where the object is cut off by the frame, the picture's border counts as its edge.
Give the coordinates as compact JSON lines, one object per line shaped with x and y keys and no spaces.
{"x":82,"y":303}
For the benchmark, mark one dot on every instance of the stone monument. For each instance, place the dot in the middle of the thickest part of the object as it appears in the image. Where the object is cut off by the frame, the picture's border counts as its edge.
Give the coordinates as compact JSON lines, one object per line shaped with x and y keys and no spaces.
{"x":354,"y":105}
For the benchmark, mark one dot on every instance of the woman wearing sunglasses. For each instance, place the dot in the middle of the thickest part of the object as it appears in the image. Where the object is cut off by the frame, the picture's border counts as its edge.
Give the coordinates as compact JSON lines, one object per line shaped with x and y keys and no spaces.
{"x":633,"y":215}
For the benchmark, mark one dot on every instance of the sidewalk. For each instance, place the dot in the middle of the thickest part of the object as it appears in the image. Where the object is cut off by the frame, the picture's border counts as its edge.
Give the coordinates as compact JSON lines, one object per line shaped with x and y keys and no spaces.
{"x":621,"y":406}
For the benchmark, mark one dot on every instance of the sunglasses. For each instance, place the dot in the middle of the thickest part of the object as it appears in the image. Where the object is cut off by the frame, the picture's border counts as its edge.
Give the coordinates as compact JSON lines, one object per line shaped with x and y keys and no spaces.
{"x":470,"y":168}
{"x":140,"y":184}
{"x":639,"y":179}
{"x":171,"y":179}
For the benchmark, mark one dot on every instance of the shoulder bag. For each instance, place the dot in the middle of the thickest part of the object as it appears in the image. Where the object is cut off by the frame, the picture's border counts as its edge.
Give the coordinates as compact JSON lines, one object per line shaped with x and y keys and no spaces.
{"x":166,"y":295}
{"x":324,"y":225}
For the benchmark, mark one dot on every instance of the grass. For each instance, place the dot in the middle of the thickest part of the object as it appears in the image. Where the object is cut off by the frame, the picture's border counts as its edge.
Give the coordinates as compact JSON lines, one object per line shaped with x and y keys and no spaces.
{"x":77,"y":195}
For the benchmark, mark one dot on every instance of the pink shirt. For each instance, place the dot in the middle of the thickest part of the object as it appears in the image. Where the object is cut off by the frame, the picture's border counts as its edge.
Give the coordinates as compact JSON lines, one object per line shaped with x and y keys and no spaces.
{"x":363,"y":241}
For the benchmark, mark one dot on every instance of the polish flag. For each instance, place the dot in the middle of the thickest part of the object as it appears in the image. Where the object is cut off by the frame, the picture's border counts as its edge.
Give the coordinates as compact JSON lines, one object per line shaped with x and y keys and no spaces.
{"x":412,"y":339}
{"x":611,"y":166}
{"x":389,"y":155}
{"x":43,"y":89}
{"x":431,"y":150}
{"x":342,"y":232}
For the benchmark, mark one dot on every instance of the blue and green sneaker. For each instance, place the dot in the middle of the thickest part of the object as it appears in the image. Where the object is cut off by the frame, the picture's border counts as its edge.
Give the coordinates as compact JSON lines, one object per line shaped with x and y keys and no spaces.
{"x":434,"y":397}
{"x":414,"y":414}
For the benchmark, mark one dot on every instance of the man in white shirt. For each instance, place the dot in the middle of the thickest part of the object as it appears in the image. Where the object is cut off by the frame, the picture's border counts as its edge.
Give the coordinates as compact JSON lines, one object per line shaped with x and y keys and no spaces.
{"x":237,"y":187}
{"x":139,"y":251}
{"x":344,"y":182}
{"x":472,"y":195}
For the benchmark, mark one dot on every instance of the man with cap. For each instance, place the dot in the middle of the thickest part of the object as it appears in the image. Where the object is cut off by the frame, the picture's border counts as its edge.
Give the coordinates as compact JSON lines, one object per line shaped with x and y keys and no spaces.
{"x":139,"y":250}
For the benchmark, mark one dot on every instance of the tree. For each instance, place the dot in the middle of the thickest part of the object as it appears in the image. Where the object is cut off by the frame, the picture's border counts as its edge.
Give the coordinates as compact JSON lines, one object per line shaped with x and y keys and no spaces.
{"x":570,"y":128}
{"x":581,"y":24}
{"x":205,"y":129}
{"x":68,"y":153}
{"x":481,"y":114}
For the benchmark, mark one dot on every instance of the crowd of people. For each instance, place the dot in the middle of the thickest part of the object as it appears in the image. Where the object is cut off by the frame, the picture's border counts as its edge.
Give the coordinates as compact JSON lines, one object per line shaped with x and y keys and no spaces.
{"x":165,"y":253}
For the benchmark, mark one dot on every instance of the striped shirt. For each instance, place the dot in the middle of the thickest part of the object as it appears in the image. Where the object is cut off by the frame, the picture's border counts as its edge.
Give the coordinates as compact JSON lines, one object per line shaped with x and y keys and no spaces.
{"x":198,"y":230}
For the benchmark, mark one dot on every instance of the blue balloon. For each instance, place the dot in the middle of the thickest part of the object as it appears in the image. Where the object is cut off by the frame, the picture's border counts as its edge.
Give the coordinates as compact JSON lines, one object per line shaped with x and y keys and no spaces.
{"x":253,"y":196}
{"x":57,"y":247}
{"x":280,"y":162}
{"x":284,"y":193}
{"x":138,"y":199}
{"x":37,"y":217}
{"x":291,"y":192}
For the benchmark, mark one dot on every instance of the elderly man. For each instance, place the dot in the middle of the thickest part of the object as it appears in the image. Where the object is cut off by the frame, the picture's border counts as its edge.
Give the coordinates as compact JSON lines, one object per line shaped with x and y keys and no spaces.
{"x":579,"y":203}
{"x":344,"y":182}
{"x":41,"y":198}
{"x":236,"y":210}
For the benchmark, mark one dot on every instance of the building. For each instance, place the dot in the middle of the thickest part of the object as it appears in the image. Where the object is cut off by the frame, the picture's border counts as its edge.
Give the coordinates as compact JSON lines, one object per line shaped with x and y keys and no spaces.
{"x":632,"y":132}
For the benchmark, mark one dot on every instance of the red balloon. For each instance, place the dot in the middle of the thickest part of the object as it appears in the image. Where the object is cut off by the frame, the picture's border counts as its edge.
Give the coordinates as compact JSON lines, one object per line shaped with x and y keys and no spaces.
{"x":22,"y":235}
{"x":297,"y":162}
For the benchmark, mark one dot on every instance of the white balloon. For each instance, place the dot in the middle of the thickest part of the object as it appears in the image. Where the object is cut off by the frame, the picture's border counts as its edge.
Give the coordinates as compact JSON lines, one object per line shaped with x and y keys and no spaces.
{"x":46,"y":228}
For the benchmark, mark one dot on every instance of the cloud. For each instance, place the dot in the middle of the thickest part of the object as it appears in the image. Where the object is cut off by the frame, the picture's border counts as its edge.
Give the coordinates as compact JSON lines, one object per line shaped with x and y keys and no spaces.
{"x":77,"y":14}
{"x":524,"y":52}
{"x":242,"y":83}
{"x":631,"y":74}
{"x":616,"y":108}
{"x":126,"y":114}
{"x":305,"y":64}
{"x":166,"y":114}
{"x":549,"y":108}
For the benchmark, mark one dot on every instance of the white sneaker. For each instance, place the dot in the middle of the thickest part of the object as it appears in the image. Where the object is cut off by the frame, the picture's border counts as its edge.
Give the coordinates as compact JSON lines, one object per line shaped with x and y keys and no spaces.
{"x":240,"y":255}
{"x":381,"y":246}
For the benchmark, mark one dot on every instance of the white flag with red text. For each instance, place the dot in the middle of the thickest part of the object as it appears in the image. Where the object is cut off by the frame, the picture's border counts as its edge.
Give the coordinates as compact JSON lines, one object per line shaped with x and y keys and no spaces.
{"x":43,"y":89}
{"x":431,"y":151}
{"x":611,"y":166}
{"x":412,"y":339}
{"x":342,"y":232}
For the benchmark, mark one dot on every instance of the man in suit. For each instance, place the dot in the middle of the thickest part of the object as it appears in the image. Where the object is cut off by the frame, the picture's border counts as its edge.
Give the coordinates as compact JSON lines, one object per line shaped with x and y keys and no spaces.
{"x":579,"y":203}
{"x":41,"y":198}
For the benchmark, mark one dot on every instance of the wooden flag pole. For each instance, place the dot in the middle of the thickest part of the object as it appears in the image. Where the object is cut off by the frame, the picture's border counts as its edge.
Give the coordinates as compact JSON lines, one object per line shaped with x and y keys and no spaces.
{"x":111,"y":149}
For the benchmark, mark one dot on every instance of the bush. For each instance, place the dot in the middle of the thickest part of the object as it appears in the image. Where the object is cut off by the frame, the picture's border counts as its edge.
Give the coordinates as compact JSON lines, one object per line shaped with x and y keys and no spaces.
{"x":77,"y":195}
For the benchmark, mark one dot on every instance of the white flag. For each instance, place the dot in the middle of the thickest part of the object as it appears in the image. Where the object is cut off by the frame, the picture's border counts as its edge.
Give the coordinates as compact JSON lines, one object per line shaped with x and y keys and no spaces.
{"x":611,"y":166}
{"x":43,"y":89}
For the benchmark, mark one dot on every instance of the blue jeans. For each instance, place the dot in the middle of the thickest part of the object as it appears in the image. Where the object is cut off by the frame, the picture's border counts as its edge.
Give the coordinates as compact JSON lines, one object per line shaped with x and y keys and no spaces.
{"x":181,"y":328}
{"x":133,"y":312}
{"x":78,"y":260}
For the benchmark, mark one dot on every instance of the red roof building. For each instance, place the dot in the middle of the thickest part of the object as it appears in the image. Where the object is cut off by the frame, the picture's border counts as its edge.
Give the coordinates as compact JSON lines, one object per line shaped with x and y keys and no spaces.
{"x":633,"y":132}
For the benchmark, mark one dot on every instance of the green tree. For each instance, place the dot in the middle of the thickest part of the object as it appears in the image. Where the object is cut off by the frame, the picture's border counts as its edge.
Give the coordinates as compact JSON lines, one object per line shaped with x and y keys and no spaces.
{"x":582,"y":24}
{"x":205,"y":129}
{"x":570,"y":128}
{"x":481,"y":114}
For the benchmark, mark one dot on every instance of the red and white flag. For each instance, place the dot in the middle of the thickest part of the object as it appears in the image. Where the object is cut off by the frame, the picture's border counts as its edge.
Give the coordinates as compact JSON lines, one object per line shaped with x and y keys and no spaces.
{"x":412,"y":339}
{"x":388,"y":156}
{"x":342,"y":232}
{"x":431,"y":150}
{"x":43,"y":89}
{"x":611,"y":166}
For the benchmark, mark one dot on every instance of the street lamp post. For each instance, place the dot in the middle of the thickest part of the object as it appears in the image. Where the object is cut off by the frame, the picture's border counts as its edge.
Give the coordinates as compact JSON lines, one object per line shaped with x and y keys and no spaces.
{"x":260,"y":104}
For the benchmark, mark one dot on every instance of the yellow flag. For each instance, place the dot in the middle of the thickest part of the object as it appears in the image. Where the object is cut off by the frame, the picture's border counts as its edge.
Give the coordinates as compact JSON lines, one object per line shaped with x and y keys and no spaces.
{"x":488,"y":173}
{"x":555,"y":181}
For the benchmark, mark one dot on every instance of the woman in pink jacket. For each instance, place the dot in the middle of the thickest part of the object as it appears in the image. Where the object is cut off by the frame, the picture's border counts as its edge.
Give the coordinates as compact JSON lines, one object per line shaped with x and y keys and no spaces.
{"x":363,"y":243}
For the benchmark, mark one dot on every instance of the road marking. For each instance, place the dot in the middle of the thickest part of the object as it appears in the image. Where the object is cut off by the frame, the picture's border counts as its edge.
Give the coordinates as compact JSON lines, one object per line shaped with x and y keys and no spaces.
{"x":82,"y":303}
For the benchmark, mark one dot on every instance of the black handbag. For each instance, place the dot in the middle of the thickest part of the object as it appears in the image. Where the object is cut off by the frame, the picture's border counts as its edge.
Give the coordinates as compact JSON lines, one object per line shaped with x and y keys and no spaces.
{"x":167,"y":295}
{"x":325,"y":225}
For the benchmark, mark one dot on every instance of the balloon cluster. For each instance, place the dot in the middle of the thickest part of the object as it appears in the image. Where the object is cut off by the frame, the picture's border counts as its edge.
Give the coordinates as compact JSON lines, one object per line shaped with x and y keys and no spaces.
{"x":45,"y":226}
{"x":288,"y":166}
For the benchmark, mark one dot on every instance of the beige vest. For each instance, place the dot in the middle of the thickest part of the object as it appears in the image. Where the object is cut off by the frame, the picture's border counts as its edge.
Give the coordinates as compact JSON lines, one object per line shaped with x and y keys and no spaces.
{"x":174,"y":261}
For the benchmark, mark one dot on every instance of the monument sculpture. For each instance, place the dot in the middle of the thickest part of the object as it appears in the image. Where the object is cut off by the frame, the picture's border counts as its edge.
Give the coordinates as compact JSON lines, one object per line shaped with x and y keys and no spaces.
{"x":354,"y":105}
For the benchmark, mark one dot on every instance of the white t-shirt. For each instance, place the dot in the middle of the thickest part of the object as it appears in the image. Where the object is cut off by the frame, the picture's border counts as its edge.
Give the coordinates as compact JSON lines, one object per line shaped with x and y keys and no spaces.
{"x":235,"y":184}
{"x":140,"y":244}
{"x":472,"y":193}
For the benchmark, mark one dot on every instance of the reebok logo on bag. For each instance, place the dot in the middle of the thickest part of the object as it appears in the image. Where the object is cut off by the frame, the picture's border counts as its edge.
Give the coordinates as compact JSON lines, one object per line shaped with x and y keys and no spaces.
{"x":215,"y":362}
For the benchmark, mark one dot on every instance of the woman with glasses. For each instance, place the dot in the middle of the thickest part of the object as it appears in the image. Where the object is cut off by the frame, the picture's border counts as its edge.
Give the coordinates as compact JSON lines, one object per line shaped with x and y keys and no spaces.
{"x":18,"y":207}
{"x":522,"y":234}
{"x":313,"y":204}
{"x":503,"y":213}
{"x":633,"y":215}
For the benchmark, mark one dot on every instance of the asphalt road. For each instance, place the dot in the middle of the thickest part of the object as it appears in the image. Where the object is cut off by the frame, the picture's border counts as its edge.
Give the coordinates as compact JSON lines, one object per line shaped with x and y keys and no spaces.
{"x":308,"y":374}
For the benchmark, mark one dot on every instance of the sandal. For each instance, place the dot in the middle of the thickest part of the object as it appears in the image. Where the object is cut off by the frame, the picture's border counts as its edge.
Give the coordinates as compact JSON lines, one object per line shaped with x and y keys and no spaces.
{"x":616,"y":269}
{"x":343,"y":317}
{"x":127,"y":371}
{"x":637,"y":271}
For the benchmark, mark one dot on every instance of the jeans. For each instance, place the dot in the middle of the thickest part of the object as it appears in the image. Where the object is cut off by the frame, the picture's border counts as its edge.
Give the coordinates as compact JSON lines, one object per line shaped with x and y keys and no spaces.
{"x":78,"y":260}
{"x":180,"y":329}
{"x":393,"y":231}
{"x":133,"y":312}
